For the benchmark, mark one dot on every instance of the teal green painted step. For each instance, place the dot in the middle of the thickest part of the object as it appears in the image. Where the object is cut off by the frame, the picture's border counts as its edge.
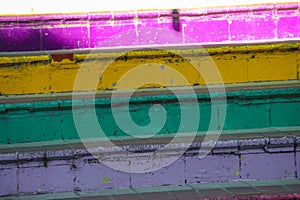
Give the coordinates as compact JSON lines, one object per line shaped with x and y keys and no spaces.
{"x":32,"y":119}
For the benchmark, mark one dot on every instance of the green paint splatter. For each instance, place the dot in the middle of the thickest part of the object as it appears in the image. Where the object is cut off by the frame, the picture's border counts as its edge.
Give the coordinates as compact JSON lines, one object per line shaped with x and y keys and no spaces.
{"x":105,"y":180}
{"x":236,"y":173}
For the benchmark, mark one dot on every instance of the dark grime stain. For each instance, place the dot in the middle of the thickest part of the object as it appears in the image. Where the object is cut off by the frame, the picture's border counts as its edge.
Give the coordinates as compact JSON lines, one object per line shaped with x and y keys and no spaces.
{"x":176,"y":20}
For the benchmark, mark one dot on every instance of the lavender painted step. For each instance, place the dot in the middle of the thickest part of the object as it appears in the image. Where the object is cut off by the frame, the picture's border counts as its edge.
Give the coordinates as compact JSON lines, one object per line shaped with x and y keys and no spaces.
{"x":68,"y":166}
{"x":91,"y":30}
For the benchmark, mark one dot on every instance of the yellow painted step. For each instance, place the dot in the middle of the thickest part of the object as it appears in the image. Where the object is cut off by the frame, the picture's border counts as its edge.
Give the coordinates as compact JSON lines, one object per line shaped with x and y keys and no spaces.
{"x":149,"y":68}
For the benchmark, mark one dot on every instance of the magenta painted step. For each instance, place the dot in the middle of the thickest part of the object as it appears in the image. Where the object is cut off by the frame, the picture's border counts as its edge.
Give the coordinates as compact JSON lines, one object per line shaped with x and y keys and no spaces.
{"x":93,"y":30}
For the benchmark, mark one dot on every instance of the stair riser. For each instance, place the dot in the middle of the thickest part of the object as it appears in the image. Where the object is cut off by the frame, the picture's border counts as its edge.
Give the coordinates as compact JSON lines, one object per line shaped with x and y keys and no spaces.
{"x":49,"y":120}
{"x":89,"y":30}
{"x":167,"y":68}
{"x":62,"y":171}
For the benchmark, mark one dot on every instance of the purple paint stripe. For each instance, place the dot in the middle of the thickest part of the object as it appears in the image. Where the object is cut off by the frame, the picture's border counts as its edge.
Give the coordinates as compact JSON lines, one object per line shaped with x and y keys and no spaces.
{"x":91,"y":30}
{"x":150,"y":14}
{"x":83,"y":172}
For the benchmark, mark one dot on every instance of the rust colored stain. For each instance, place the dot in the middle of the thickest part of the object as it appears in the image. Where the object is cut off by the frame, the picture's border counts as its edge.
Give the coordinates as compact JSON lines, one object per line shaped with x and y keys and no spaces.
{"x":60,"y":57}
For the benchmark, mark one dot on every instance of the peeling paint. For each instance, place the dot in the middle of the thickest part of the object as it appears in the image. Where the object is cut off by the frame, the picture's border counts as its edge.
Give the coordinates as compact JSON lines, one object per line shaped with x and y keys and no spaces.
{"x":86,"y":30}
{"x":31,"y":177}
{"x":105,"y":180}
{"x":236,"y":173}
{"x":33,"y":75}
{"x":246,"y":109}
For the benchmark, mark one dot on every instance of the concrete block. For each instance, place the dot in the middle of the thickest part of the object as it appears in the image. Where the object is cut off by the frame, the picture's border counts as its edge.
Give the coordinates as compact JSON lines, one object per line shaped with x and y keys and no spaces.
{"x":291,"y":110}
{"x":55,"y":37}
{"x":173,"y":174}
{"x":268,"y":166}
{"x":252,"y":28}
{"x":252,"y":145}
{"x":297,"y":141}
{"x":20,"y":39}
{"x":252,"y":115}
{"x":57,"y":178}
{"x":285,"y":144}
{"x":91,"y":174}
{"x":206,"y":31}
{"x":31,"y":158}
{"x":160,"y":34}
{"x":298,"y":163}
{"x":289,"y":27}
{"x":7,"y":159}
{"x":226,"y":146}
{"x":281,"y":66}
{"x":212,"y":168}
{"x":121,"y":33}
{"x":8,"y":181}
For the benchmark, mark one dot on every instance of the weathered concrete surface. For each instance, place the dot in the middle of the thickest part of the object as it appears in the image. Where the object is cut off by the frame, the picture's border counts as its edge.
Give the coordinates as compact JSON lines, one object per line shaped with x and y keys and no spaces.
{"x":58,"y":178}
{"x":105,"y":178}
{"x":23,"y":118}
{"x":212,"y":168}
{"x":89,"y":30}
{"x":297,"y":157}
{"x":268,"y":166}
{"x":8,"y":181}
{"x":25,"y":74}
{"x":173,"y":174}
{"x":83,"y":172}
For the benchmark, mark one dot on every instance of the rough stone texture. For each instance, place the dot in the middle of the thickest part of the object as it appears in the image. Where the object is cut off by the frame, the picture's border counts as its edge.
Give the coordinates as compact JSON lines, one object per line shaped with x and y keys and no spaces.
{"x":280,"y":144}
{"x":6,"y":158}
{"x":252,"y":145}
{"x":230,"y":146}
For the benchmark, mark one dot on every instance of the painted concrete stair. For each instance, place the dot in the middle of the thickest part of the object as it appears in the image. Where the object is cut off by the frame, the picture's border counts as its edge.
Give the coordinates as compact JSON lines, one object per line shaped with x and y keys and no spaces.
{"x":238,"y":24}
{"x":34,"y":118}
{"x":259,"y":66}
{"x":261,"y":154}
{"x":41,"y":72}
{"x":259,"y":137}
{"x":261,"y":132}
